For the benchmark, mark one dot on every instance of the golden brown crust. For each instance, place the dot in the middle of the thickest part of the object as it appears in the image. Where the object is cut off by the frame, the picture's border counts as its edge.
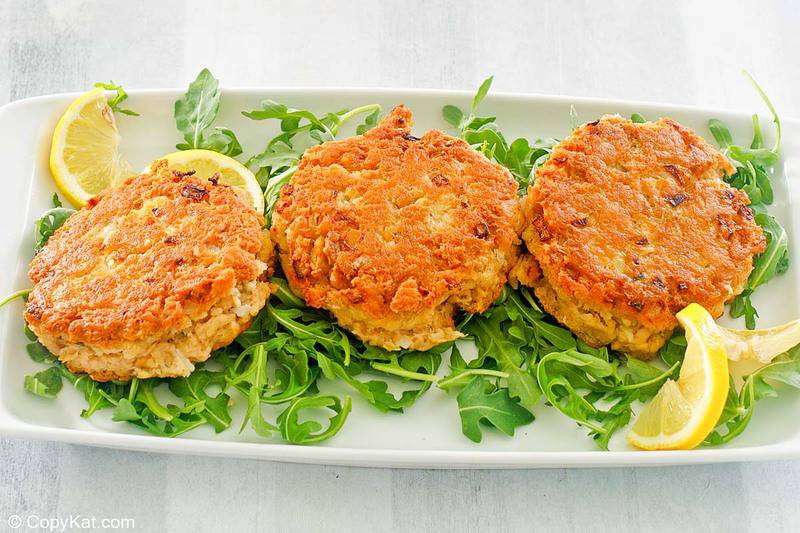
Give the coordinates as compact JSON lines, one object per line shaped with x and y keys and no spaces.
{"x":139,"y":258}
{"x":386,"y":226}
{"x":635,"y":220}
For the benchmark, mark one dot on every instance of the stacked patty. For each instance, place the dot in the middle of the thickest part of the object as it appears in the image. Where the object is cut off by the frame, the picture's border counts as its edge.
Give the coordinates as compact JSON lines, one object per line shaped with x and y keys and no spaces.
{"x":629,"y":223}
{"x":150,"y":277}
{"x":393,"y":233}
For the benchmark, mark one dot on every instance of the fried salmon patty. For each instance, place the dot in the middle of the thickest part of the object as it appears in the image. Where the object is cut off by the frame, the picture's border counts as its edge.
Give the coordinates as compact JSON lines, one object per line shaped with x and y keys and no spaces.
{"x":392,"y":233}
{"x":149,"y":277}
{"x":629,"y":223}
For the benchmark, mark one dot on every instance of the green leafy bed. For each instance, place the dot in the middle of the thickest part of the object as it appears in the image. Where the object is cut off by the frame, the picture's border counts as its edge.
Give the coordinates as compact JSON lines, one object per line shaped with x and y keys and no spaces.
{"x":525,"y":360}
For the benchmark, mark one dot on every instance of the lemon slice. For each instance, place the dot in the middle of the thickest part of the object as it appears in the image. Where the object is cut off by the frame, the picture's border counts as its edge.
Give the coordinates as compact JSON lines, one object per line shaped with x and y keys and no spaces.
{"x":684,"y":412}
{"x":761,"y":345}
{"x":84,"y":156}
{"x":206,"y":163}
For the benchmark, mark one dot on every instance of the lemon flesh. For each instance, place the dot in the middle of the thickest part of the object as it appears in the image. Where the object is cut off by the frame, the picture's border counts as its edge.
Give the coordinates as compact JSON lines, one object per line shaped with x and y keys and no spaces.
{"x":206,"y":163}
{"x":761,"y":345}
{"x":84,"y":155}
{"x":684,"y":412}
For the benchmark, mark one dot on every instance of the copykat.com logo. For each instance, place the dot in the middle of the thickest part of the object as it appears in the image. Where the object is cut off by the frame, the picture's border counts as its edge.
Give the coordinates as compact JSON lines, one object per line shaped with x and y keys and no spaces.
{"x":69,"y":523}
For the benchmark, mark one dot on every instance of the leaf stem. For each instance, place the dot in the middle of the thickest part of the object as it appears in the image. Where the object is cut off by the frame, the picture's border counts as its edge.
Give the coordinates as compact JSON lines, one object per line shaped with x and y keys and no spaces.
{"x":651,"y":381}
{"x":279,"y":180}
{"x":396,"y":370}
{"x":150,"y":400}
{"x":285,"y":294}
{"x":775,"y":118}
{"x":352,"y":113}
{"x":449,"y":380}
{"x":13,"y":296}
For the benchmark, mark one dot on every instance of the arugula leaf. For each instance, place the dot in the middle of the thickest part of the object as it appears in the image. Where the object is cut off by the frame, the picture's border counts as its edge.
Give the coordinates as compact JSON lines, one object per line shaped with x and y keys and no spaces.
{"x":311,"y":431}
{"x":408,"y":365}
{"x":222,"y":140}
{"x":775,"y":258}
{"x":507,"y":350}
{"x":46,"y":383}
{"x":674,"y":350}
{"x":125,"y":412}
{"x":300,"y":128}
{"x":136,"y":403}
{"x":256,"y":377}
{"x":196,"y":112}
{"x":370,"y":121}
{"x":561,"y":376}
{"x":483,"y":90}
{"x":752,"y":177}
{"x":49,"y":222}
{"x":740,"y":405}
{"x":482,"y":402}
{"x":312,"y":328}
{"x":766,"y":265}
{"x":38,"y":353}
{"x":290,"y":118}
{"x":482,"y":133}
{"x":453,"y":115}
{"x":192,"y":390}
{"x":721,"y":133}
{"x":120,"y":97}
{"x":376,"y":392}
{"x":772,"y":111}
{"x":285,"y":295}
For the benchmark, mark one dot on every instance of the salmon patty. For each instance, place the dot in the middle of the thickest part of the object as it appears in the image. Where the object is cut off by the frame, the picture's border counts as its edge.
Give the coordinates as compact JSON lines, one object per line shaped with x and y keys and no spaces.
{"x":393,"y":234}
{"x":629,"y":223}
{"x":150,"y":277}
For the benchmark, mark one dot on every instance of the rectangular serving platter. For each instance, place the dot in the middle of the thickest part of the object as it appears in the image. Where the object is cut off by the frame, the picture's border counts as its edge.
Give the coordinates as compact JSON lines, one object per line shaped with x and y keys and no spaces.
{"x":428,"y":435}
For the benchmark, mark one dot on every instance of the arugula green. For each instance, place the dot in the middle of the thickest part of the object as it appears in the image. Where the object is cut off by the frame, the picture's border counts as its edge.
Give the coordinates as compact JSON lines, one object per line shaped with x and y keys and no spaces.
{"x":740,"y":403}
{"x":196,"y":112}
{"x":193,"y":391}
{"x":311,"y":431}
{"x":340,"y":356}
{"x":135,"y":401}
{"x":46,"y":383}
{"x":752,"y":176}
{"x":43,"y":228}
{"x":575,"y":381}
{"x":49,"y":222}
{"x":121,"y":96}
{"x":482,"y":133}
{"x":528,"y":356}
{"x":480,"y":401}
{"x":299,"y":129}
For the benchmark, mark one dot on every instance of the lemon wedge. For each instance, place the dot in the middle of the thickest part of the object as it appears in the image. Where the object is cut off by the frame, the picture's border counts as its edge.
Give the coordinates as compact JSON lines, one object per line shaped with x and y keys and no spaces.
{"x":84,"y":155}
{"x":761,"y":345}
{"x":206,"y":163}
{"x":684,"y":412}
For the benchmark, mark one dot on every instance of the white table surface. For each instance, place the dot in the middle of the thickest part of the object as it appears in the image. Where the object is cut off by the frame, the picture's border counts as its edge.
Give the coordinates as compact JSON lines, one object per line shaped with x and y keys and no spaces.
{"x":677,"y":52}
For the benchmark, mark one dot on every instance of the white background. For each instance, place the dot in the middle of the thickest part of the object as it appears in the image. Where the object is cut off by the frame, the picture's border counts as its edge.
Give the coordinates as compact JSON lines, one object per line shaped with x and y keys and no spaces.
{"x":676,"y":52}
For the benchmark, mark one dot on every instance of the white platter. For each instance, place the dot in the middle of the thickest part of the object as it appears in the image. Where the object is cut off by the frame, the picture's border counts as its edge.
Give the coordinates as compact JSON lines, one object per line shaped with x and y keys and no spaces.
{"x":429,"y":434}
